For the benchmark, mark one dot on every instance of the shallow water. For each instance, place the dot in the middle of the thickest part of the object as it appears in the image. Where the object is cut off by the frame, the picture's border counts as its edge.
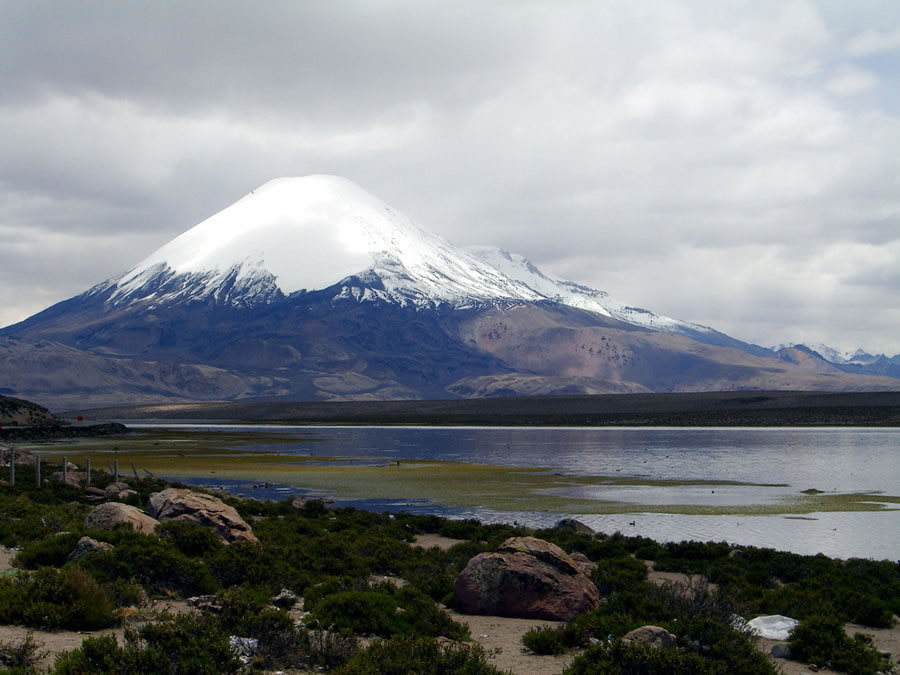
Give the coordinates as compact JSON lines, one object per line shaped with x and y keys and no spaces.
{"x":831,"y":460}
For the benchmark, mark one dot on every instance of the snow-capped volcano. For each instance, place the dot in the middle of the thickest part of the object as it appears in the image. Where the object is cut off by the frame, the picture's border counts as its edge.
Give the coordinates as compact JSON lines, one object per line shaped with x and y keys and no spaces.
{"x":311,"y":233}
{"x":313,"y":289}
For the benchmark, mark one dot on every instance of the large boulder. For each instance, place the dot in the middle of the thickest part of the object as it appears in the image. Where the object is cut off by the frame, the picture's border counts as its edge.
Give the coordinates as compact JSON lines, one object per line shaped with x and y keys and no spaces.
{"x":653,"y":636}
{"x":111,"y":514}
{"x":526,"y":578}
{"x":209,"y":511}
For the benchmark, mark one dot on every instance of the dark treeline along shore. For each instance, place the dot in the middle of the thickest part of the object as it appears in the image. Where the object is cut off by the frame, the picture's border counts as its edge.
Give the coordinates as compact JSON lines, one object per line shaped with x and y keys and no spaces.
{"x":682,"y":409}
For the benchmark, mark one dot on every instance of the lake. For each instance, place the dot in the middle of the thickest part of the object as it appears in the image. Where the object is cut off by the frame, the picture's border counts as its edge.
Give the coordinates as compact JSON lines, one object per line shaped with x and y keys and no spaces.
{"x":831,"y":460}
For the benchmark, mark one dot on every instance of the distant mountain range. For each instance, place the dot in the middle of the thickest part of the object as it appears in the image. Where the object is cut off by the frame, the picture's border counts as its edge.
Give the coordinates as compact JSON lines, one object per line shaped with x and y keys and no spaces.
{"x":311,"y":288}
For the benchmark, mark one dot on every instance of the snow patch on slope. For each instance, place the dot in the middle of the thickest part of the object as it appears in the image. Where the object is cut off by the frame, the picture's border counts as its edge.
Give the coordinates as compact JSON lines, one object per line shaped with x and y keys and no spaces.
{"x":310,"y":233}
{"x":576,"y":295}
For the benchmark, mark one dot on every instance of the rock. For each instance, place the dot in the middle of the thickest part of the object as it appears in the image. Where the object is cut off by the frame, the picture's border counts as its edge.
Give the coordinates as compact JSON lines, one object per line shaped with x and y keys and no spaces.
{"x":22,"y":456}
{"x":73,"y":478}
{"x":109,"y":515}
{"x":113,"y":489}
{"x":301,"y":502}
{"x":780,"y":651}
{"x":124,"y":495}
{"x":526,"y":578}
{"x":575,"y":525}
{"x":584,"y":563}
{"x":285,"y":598}
{"x":244,"y":648}
{"x":94,"y":492}
{"x":209,"y":511}
{"x":205,"y":603}
{"x":813,"y":667}
{"x":653,"y":636}
{"x":86,"y":546}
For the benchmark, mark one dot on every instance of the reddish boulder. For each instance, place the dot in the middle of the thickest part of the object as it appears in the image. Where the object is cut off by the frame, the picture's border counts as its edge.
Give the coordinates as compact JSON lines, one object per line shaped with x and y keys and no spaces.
{"x":209,"y":511}
{"x":584,"y":563}
{"x":526,"y":578}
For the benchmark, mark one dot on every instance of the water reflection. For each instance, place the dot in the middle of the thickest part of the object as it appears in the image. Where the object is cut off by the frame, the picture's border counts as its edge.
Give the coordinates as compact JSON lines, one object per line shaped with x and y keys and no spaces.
{"x":832,"y":460}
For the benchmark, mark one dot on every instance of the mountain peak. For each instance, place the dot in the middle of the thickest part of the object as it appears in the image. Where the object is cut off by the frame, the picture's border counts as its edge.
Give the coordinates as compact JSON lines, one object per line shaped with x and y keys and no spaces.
{"x":311,"y":233}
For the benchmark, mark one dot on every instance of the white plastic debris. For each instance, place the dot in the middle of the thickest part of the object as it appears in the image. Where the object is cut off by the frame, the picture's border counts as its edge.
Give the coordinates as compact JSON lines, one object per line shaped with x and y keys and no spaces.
{"x":773,"y":627}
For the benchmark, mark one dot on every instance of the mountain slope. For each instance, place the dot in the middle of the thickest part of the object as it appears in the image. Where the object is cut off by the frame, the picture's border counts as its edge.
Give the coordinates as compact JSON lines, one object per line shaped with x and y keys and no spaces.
{"x":311,"y":288}
{"x":577,"y":295}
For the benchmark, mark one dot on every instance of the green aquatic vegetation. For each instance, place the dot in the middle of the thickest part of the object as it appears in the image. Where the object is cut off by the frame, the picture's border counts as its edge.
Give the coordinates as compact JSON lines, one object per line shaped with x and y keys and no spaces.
{"x":257,"y":456}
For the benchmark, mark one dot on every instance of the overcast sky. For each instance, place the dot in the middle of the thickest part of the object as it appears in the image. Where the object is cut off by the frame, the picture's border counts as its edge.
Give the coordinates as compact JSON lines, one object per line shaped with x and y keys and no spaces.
{"x":735,"y":164}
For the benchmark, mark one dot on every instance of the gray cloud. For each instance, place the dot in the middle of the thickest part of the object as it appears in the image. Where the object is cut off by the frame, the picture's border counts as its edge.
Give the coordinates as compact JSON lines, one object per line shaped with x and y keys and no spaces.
{"x":735,"y":165}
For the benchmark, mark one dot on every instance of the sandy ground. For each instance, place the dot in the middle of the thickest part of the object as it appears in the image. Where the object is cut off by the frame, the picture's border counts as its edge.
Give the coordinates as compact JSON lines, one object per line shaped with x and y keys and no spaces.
{"x":432,"y":540}
{"x":6,"y":556}
{"x":500,"y":636}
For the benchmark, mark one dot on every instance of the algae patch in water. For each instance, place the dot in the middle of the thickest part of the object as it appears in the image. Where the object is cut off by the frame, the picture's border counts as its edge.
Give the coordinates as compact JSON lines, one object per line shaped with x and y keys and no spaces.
{"x":258,"y":456}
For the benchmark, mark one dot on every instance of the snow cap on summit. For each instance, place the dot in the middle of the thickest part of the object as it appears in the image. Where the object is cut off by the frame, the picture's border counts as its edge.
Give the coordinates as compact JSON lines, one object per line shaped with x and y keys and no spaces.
{"x":313,"y":232}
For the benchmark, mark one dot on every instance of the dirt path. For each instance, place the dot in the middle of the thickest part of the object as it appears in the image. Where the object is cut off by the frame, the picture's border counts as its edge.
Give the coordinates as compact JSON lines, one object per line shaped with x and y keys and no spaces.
{"x":53,"y":642}
{"x":505,"y":635}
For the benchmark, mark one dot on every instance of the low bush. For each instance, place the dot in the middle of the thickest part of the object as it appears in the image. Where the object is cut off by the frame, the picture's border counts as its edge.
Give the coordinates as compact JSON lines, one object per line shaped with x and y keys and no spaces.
{"x":51,"y":598}
{"x":616,"y":574}
{"x":191,"y":539}
{"x":50,"y":552}
{"x":153,"y":563}
{"x":21,"y":656}
{"x":387,"y":611}
{"x":187,"y":644}
{"x":642,"y":659}
{"x":410,"y":655}
{"x":823,"y":641}
{"x":544,"y":640}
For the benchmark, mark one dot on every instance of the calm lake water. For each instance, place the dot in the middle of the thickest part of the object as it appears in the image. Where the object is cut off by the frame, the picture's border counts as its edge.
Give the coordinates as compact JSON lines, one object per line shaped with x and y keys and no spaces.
{"x":831,"y":460}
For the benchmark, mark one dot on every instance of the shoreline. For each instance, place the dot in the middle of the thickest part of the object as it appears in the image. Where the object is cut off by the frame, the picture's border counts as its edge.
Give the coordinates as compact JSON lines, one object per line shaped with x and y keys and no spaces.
{"x":709,"y":409}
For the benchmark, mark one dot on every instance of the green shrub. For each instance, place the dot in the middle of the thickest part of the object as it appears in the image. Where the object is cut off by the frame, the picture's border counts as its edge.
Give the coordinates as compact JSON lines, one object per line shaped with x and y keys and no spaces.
{"x":823,"y":641}
{"x":50,"y":598}
{"x":543,"y":640}
{"x":50,"y":552}
{"x":21,"y":656}
{"x":387,"y":611}
{"x":153,"y":563}
{"x":412,"y":655}
{"x":96,"y":655}
{"x":616,"y":574}
{"x":187,"y":644}
{"x":271,"y":567}
{"x":361,"y":612}
{"x":642,"y":659}
{"x":192,"y":539}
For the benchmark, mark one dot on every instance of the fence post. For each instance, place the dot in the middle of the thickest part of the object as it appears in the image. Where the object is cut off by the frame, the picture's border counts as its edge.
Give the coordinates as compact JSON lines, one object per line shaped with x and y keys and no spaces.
{"x":88,"y":481}
{"x":65,"y":469}
{"x":116,"y":471}
{"x":37,"y":471}
{"x":12,"y":466}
